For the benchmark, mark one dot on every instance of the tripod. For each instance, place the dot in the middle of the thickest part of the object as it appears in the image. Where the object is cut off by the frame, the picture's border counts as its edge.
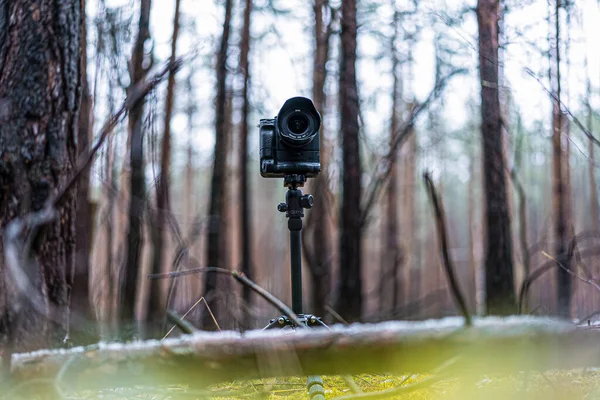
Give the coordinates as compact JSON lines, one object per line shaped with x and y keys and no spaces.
{"x":295,"y":203}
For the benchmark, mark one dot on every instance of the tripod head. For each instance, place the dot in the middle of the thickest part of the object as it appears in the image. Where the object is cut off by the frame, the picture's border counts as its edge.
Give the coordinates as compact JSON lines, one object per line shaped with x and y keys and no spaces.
{"x":295,"y":201}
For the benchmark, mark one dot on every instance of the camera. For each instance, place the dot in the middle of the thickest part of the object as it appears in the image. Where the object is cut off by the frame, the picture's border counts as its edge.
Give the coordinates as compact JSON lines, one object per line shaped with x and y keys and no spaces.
{"x":289,"y":143}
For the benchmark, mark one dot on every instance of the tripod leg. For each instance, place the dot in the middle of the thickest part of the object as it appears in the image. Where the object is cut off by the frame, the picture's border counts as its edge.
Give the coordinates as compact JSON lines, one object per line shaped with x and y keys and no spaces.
{"x":314,"y":384}
{"x":296,"y":261}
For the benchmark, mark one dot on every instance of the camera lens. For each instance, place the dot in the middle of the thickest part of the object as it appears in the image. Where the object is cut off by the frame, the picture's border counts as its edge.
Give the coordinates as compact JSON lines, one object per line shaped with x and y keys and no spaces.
{"x":297,"y":123}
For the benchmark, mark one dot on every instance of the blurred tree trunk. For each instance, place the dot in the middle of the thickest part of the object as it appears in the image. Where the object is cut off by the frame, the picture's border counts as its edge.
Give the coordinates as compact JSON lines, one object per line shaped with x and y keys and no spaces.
{"x":80,"y":281}
{"x":595,"y":219}
{"x":246,"y":208}
{"x":129,"y":287}
{"x":156,"y":307}
{"x":498,"y":258}
{"x":40,"y":77}
{"x":349,"y":301}
{"x":559,"y":172}
{"x":392,"y":254}
{"x":216,"y":228}
{"x":317,"y":232}
{"x":411,"y":267}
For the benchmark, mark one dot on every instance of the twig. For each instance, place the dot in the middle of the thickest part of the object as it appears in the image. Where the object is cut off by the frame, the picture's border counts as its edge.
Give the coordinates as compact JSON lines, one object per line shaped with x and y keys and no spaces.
{"x":567,"y":270}
{"x":547,"y":267}
{"x":211,"y":314}
{"x":399,"y":137}
{"x":180,"y":322}
{"x":336,"y":315}
{"x":280,"y":305}
{"x":438,"y":211}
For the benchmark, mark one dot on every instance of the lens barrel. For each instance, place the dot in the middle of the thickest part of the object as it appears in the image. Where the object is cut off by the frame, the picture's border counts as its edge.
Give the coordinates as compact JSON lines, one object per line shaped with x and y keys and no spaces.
{"x":298,"y":121}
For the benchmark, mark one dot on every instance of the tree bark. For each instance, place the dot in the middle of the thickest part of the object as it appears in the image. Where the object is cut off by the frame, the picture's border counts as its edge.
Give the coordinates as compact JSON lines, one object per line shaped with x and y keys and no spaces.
{"x":80,"y":281}
{"x":594,"y":217}
{"x":216,"y":217}
{"x":559,"y":183}
{"x":317,"y":234}
{"x":245,"y":209}
{"x":349,"y":302}
{"x":39,"y":114}
{"x":498,"y":255}
{"x":129,"y":287}
{"x":156,"y":305}
{"x":392,"y":255}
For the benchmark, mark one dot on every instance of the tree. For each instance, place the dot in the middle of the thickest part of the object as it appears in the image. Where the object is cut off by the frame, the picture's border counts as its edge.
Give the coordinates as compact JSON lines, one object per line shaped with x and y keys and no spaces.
{"x":560,"y":171}
{"x":216,"y":217}
{"x":40,"y":76}
{"x":392,"y":254}
{"x":349,"y":301}
{"x":317,"y":232}
{"x":498,"y":253}
{"x":594,"y":218}
{"x":80,"y":280}
{"x":138,"y":70}
{"x":245,"y":213}
{"x":156,"y":310}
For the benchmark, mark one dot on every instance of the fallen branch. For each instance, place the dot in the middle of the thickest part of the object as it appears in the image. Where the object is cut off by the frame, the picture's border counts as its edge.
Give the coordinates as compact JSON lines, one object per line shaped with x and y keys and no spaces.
{"x":440,"y":223}
{"x":491,"y":345}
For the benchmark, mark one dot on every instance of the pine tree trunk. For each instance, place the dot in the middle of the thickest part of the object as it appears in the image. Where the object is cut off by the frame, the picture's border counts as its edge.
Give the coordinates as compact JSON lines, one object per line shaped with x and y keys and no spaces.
{"x":392,"y":250}
{"x":39,"y":100}
{"x":216,"y":225}
{"x":129,"y":287}
{"x":317,"y":234}
{"x":349,"y":302}
{"x":156,"y":306}
{"x":559,"y":171}
{"x":595,"y":219}
{"x":498,"y":258}
{"x":246,"y":208}
{"x":80,"y":281}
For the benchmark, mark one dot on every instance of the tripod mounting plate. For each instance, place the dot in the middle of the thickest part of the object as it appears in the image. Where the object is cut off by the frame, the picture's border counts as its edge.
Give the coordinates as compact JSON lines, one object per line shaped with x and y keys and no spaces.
{"x":294,"y":181}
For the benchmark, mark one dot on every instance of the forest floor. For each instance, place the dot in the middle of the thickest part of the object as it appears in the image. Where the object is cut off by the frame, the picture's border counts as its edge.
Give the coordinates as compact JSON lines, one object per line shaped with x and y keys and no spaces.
{"x":571,"y":385}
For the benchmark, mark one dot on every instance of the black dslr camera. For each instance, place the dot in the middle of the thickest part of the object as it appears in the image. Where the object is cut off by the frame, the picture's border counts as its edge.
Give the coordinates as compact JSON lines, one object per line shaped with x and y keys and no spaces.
{"x":289,"y":143}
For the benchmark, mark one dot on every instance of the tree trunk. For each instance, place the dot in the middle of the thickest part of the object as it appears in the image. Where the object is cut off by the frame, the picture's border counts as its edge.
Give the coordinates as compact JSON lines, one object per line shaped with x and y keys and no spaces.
{"x":392,"y":257}
{"x":156,"y":306}
{"x":80,"y":281}
{"x":39,"y":101}
{"x":317,"y":232}
{"x":498,"y":258}
{"x":129,"y":287}
{"x":216,"y":217}
{"x":559,"y":183}
{"x":349,"y":302}
{"x":245,"y":209}
{"x":595,"y":219}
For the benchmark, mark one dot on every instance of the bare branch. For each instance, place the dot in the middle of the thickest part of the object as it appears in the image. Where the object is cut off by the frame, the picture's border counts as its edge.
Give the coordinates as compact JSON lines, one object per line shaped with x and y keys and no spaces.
{"x":280,"y":305}
{"x":440,"y":222}
{"x":400,"y":136}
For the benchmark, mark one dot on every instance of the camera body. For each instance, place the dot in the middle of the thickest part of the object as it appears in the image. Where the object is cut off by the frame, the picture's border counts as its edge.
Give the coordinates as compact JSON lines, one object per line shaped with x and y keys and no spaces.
{"x":289,"y":143}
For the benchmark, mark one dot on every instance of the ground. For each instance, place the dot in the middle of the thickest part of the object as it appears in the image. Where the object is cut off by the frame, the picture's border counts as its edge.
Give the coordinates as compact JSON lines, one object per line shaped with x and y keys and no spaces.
{"x":571,"y":385}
